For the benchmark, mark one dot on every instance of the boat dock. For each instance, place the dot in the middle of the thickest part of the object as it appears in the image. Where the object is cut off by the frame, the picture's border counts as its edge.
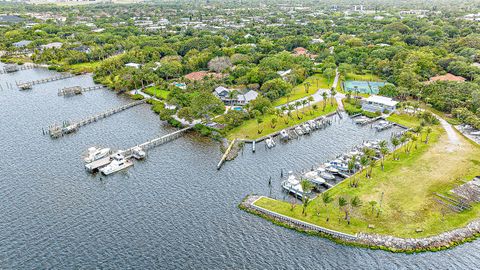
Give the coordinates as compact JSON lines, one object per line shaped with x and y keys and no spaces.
{"x":29,"y":84}
{"x":128,"y":153}
{"x":10,"y":68}
{"x":56,"y":131}
{"x":77,"y":90}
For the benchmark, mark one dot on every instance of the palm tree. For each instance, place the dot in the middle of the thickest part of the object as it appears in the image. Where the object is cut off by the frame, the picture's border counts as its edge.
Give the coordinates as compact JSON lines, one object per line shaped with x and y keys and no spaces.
{"x":383,"y":152}
{"x":395,"y":142}
{"x":297,"y":104}
{"x":332,"y":95}
{"x":306,"y":188}
{"x":314,"y":107}
{"x":373,"y":163}
{"x":364,"y":160}
{"x":351,"y":168}
{"x":343,"y":206}
{"x":307,"y":86}
{"x":273,"y":122}
{"x":326,"y":198}
{"x":259,"y":121}
{"x":324,"y":96}
{"x":310,"y":99}
{"x":304,"y":102}
{"x":372,"y":204}
{"x":288,"y":95}
{"x":355,"y":203}
{"x":291,"y":107}
{"x":428,"y":131}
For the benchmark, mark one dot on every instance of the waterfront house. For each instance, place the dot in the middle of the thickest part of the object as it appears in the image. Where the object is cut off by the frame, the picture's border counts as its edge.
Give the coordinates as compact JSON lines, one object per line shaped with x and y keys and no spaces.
{"x":200,"y":75}
{"x":376,"y":103}
{"x":233,"y":96}
{"x":284,"y":73}
{"x":22,"y":44}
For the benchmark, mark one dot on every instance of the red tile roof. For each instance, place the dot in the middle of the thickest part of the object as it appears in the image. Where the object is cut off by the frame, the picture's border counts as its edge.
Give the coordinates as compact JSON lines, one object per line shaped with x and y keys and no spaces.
{"x":447,"y":77}
{"x":200,"y":75}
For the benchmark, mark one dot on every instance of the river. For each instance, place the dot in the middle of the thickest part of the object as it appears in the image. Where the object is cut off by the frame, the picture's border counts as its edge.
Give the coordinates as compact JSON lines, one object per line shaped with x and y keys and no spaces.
{"x":172,"y":211}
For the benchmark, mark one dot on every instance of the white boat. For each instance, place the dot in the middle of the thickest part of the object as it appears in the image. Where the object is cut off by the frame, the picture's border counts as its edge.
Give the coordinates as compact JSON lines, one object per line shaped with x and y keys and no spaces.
{"x":119,"y":162}
{"x":284,"y":134}
{"x":382,"y":125}
{"x":306,"y":128}
{"x":339,"y":165}
{"x":327,"y":176}
{"x":330,"y":168}
{"x":94,"y":153}
{"x":270,"y":142}
{"x":292,"y":185}
{"x":313,"y":124}
{"x":475,"y":133}
{"x":313,"y":178}
{"x":138,"y":153}
{"x":361,"y":120}
{"x":299,"y":131}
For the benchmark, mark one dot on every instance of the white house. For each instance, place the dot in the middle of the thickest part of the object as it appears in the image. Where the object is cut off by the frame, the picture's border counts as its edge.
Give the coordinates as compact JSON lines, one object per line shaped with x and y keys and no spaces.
{"x":53,"y":45}
{"x":376,"y":103}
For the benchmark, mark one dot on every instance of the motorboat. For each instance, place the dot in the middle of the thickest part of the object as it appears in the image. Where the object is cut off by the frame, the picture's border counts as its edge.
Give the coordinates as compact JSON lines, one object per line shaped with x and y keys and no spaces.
{"x":313,"y":124}
{"x":94,"y":153}
{"x":339,"y":165}
{"x":475,"y":133}
{"x":382,"y":125}
{"x":299,"y":131}
{"x":270,"y":142}
{"x":293,"y":185}
{"x":138,"y":153}
{"x":327,"y":176}
{"x":284,"y":134}
{"x":313,"y":178}
{"x":119,"y":162}
{"x":306,"y":128}
{"x":361,"y":120}
{"x":331,"y":169}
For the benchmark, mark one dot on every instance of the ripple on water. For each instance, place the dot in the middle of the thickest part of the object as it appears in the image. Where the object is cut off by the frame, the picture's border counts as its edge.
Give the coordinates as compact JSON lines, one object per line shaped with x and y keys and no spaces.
{"x":173,"y":210}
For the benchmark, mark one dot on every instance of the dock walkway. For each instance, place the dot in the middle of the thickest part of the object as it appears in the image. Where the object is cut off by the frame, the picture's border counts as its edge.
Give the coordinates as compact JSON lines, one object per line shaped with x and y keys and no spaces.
{"x":77,"y":90}
{"x":57,"y":131}
{"x":29,"y":84}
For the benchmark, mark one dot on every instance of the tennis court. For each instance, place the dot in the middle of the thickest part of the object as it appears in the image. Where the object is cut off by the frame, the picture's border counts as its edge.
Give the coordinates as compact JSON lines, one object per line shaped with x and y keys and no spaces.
{"x":363,"y":87}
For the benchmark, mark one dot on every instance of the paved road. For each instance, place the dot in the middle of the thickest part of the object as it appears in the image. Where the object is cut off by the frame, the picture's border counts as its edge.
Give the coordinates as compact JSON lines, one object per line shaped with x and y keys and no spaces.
{"x":317,"y":96}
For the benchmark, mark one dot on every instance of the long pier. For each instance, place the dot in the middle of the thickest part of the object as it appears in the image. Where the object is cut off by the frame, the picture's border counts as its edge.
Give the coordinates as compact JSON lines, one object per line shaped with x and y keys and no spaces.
{"x":57,"y":131}
{"x":29,"y":84}
{"x":128,"y":153}
{"x":10,"y":68}
{"x":225,"y":155}
{"x":77,"y":90}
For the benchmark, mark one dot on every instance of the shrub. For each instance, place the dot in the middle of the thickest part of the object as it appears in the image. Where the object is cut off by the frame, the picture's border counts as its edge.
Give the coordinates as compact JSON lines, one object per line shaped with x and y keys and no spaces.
{"x":137,"y":97}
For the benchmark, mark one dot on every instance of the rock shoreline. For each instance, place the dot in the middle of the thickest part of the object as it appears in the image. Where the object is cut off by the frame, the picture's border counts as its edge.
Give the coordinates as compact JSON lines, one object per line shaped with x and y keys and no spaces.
{"x":374,"y":241}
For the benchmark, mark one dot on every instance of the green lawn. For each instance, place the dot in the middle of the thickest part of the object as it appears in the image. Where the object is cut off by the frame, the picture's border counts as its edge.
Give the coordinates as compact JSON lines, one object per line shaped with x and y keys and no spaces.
{"x":408,"y":187}
{"x":83,"y":67}
{"x":155,"y":91}
{"x":317,"y":81}
{"x":249,"y":129}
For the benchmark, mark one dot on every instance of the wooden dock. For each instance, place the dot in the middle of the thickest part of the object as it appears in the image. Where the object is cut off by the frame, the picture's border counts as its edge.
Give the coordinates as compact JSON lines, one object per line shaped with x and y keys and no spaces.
{"x":57,"y":131}
{"x":29,"y":84}
{"x":95,"y":165}
{"x":10,"y":68}
{"x":77,"y":90}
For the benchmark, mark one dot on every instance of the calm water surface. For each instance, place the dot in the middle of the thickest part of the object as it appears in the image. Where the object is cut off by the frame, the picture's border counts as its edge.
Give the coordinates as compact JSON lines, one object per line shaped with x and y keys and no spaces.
{"x":173,"y":210}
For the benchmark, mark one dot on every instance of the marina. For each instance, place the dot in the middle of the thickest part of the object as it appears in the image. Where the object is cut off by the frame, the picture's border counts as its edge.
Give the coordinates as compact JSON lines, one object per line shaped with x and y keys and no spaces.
{"x":176,"y":192}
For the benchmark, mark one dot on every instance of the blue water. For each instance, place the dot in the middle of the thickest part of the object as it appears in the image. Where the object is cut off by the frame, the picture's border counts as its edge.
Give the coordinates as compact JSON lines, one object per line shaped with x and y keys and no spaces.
{"x":172,"y":211}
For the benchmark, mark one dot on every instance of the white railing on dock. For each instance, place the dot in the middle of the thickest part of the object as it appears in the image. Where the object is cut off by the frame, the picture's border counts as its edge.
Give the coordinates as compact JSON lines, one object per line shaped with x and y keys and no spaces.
{"x":45,"y":80}
{"x":77,"y":90}
{"x":157,"y":141}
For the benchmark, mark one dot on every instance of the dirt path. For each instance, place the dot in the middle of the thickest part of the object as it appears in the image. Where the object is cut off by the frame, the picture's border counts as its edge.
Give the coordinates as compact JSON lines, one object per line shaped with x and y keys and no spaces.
{"x":453,"y":137}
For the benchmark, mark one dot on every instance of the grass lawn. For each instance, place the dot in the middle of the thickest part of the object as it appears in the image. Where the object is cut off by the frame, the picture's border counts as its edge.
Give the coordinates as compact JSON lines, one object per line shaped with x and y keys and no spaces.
{"x":249,"y":129}
{"x":408,"y":186}
{"x":362,"y":77}
{"x":155,"y":91}
{"x":83,"y":67}
{"x":317,"y":81}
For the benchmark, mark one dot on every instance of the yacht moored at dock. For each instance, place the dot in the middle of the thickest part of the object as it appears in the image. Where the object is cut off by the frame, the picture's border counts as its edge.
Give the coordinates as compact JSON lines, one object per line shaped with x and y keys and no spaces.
{"x":94,"y":153}
{"x":118,"y":163}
